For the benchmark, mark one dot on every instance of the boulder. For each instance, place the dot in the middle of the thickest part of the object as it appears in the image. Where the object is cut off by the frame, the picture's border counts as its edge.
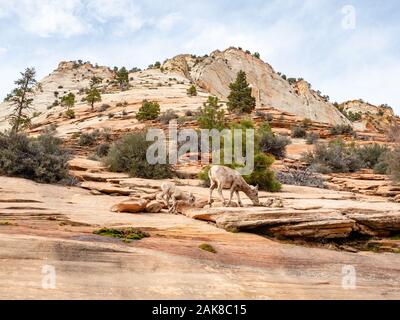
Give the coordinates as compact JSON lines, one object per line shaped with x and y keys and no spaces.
{"x":154,"y":207}
{"x":130,"y":206}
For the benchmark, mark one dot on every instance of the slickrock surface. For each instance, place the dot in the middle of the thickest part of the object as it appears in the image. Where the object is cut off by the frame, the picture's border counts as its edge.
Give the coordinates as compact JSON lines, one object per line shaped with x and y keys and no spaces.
{"x":53,"y":225}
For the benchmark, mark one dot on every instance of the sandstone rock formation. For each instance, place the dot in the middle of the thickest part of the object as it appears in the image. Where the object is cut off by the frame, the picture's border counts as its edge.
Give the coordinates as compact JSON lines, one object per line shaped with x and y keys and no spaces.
{"x":215,"y":72}
{"x":373,"y":118}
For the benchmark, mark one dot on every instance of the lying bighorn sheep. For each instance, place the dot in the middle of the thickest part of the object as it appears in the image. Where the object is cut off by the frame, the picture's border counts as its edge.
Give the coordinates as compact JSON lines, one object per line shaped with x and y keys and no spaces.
{"x":226,"y":178}
{"x":170,"y":191}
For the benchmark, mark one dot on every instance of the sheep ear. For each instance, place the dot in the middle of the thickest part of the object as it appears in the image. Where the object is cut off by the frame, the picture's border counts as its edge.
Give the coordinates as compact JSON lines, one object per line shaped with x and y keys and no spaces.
{"x":257,"y":187}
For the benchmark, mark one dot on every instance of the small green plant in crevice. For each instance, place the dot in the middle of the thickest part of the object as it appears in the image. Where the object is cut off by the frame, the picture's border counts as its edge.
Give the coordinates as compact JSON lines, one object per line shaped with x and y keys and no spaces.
{"x":125,"y":234}
{"x":192,"y":91}
{"x":207,"y":247}
{"x":7,"y":223}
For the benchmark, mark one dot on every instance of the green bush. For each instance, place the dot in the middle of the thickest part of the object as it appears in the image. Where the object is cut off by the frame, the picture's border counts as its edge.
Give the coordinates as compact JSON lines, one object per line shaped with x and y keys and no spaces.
{"x":298,"y":132}
{"x":192,"y":91}
{"x":129,"y":155}
{"x":70,"y":114}
{"x":262,"y":175}
{"x":211,"y":115}
{"x":148,"y":111}
{"x":40,"y":159}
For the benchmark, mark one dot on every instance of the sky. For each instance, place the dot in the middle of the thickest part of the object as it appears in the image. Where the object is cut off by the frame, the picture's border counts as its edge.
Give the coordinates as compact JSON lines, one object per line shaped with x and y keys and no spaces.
{"x":346,"y":49}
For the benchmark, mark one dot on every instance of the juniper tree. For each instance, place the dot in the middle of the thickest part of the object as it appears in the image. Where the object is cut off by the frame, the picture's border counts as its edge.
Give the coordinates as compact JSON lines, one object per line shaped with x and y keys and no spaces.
{"x":21,"y":99}
{"x":122,"y":77}
{"x":93,"y":94}
{"x":240,"y":99}
{"x":211,"y":116}
{"x":68,"y":100}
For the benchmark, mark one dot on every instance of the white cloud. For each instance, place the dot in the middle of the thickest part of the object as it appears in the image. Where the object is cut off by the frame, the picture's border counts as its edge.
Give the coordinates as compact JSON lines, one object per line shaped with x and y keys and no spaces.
{"x":46,"y":18}
{"x":123,"y":13}
{"x":3,"y":51}
{"x":169,"y":21}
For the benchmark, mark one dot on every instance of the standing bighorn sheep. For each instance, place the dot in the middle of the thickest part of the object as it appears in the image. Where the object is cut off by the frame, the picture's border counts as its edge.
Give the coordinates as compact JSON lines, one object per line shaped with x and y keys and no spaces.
{"x":226,"y":178}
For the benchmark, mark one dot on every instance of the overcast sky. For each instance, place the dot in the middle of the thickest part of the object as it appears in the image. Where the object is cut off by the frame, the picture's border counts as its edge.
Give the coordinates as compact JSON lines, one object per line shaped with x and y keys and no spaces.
{"x":346,"y":49}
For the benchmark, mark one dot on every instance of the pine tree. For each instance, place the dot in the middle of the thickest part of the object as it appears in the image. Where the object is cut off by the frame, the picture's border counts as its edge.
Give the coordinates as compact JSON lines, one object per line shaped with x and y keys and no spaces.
{"x":68,"y":100}
{"x":240,"y":99}
{"x":93,"y":94}
{"x":122,"y":78}
{"x":21,"y":99}
{"x":211,"y":116}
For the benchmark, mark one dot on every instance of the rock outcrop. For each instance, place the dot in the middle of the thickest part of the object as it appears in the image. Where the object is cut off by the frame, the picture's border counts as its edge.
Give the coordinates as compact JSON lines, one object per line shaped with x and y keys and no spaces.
{"x":214,"y":73}
{"x":372,"y":118}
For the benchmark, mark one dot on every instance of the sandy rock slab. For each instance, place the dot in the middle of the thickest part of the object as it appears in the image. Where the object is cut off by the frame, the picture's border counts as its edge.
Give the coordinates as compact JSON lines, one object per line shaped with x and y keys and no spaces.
{"x":312,"y":224}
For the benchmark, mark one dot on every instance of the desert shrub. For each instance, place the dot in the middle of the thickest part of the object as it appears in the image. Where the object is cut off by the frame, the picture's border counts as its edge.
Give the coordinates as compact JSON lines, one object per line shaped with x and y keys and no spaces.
{"x":70,"y":114}
{"x":192,"y":91}
{"x":392,"y":162}
{"x":393,"y":133}
{"x":274,"y":144}
{"x":129,"y":155}
{"x":312,"y":137}
{"x":306,"y":123}
{"x":298,"y":132}
{"x":342,"y":129}
{"x":298,"y":177}
{"x":88,"y":138}
{"x":102,"y":150}
{"x":371,"y":155}
{"x":148,"y":111}
{"x":41,"y":159}
{"x":265,"y":116}
{"x":104,"y":107}
{"x":333,"y":157}
{"x":167,"y":116}
{"x":354,"y":116}
{"x":189,"y":113}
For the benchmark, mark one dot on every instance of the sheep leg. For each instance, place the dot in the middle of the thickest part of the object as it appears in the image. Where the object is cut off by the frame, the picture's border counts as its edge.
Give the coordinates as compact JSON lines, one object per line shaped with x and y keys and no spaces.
{"x":239,"y":201}
{"x":212,"y":187}
{"x":231,"y":195}
{"x":220,"y":185}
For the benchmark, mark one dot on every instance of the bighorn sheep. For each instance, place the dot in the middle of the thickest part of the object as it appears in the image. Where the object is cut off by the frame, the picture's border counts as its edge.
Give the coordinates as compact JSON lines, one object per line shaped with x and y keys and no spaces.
{"x":170,"y":191}
{"x":226,"y":178}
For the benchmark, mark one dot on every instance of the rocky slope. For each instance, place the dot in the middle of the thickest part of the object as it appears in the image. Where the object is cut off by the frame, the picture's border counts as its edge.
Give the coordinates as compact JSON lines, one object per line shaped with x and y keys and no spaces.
{"x":214,"y":73}
{"x":168,"y":85}
{"x":373,"y":118}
